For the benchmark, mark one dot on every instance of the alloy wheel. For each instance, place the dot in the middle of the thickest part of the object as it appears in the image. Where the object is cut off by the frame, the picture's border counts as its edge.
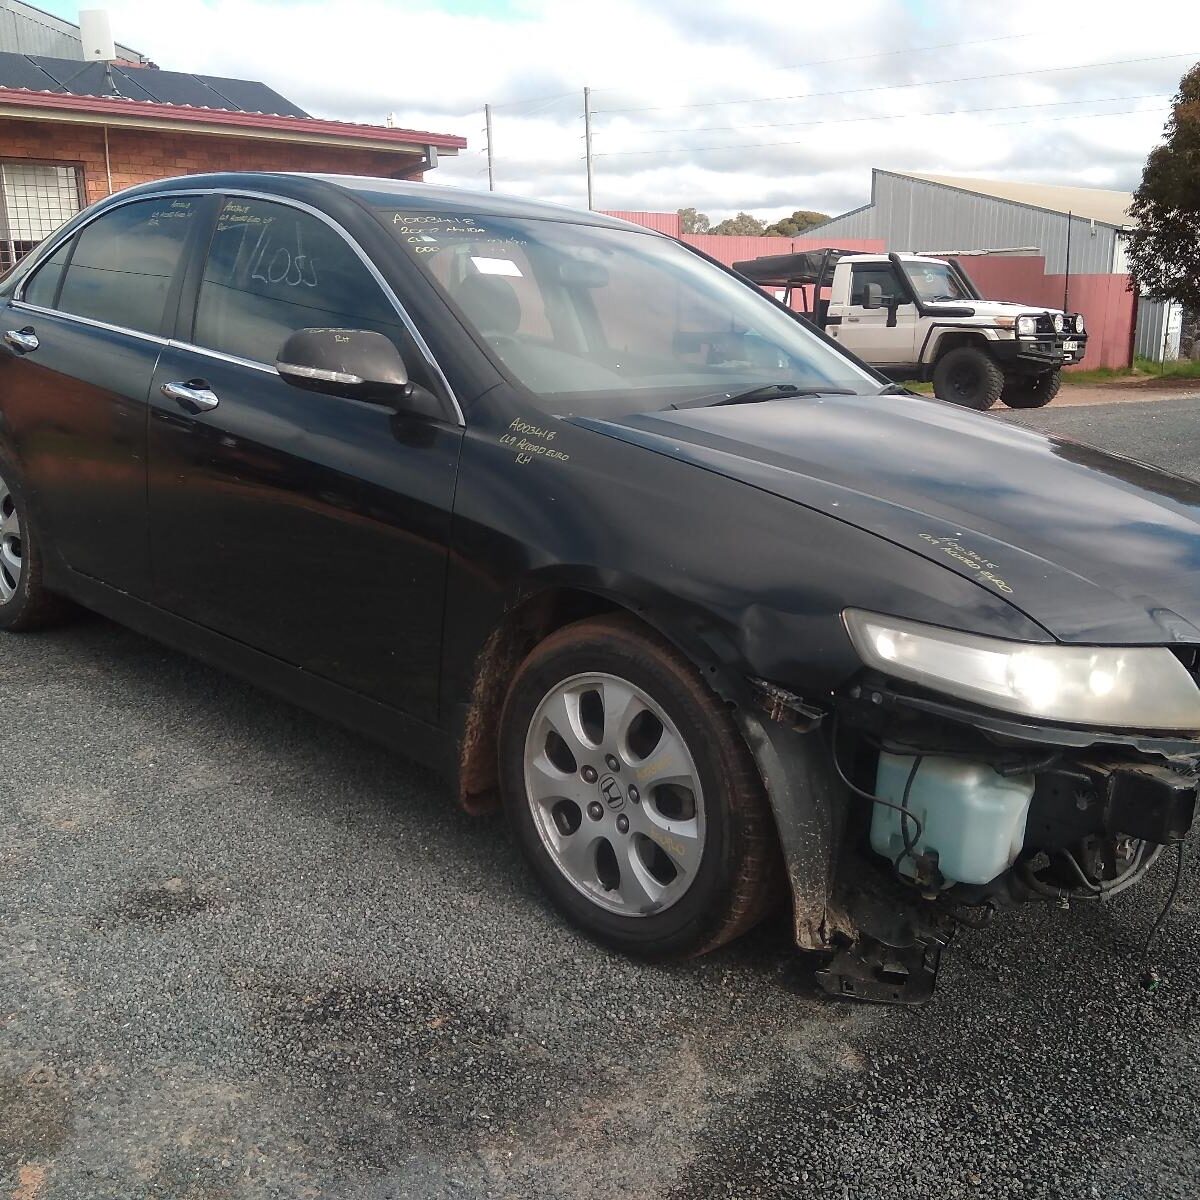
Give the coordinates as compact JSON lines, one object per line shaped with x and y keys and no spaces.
{"x":11,"y":552}
{"x":615,"y":794}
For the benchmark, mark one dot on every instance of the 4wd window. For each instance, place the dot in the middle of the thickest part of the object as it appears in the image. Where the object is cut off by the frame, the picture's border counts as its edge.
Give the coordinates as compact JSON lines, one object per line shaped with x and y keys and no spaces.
{"x":601,"y":320}
{"x":123,"y":263}
{"x":273,"y":269}
{"x":883,"y":274}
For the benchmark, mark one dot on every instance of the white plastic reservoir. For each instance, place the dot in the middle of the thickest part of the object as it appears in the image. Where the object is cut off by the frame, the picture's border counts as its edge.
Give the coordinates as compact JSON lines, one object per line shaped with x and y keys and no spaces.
{"x":972,"y":818}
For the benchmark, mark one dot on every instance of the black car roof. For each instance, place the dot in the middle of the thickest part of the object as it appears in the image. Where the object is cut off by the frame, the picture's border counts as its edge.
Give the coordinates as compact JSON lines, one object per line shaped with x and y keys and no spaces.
{"x":392,"y":193}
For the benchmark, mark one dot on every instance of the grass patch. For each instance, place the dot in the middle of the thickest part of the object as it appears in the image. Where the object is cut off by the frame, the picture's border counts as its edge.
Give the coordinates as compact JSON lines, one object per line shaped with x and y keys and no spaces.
{"x":1184,"y":368}
{"x":1098,"y":375}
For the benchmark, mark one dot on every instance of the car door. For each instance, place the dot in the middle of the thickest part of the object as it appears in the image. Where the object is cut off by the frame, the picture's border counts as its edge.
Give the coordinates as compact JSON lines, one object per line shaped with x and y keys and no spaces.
{"x":310,"y":526}
{"x":885,"y":335}
{"x":84,"y":332}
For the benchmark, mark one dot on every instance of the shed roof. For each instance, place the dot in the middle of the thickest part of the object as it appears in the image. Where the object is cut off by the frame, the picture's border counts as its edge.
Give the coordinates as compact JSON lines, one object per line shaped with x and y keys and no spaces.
{"x":1095,"y":204}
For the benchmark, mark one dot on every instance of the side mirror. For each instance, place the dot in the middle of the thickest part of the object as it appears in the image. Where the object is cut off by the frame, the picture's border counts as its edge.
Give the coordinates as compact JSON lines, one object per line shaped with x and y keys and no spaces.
{"x":873,"y":297}
{"x":357,"y":363}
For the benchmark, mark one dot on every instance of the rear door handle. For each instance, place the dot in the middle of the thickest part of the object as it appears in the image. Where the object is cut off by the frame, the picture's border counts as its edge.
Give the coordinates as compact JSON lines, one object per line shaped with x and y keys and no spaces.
{"x":854,"y":319}
{"x":194,"y":395}
{"x":23,"y":341}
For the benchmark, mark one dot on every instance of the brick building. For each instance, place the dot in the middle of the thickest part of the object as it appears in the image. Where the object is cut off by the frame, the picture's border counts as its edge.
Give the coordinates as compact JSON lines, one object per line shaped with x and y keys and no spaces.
{"x":72,"y":130}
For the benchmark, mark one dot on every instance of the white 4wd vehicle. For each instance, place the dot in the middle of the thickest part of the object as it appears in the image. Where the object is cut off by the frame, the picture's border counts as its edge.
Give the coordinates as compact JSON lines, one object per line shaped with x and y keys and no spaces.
{"x":915,"y":317}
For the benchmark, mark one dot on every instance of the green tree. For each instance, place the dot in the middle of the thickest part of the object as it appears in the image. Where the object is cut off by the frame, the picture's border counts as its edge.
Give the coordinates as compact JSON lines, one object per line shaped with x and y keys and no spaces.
{"x":802,"y":219}
{"x":743,"y":224}
{"x":691,"y":221}
{"x":1164,"y":248}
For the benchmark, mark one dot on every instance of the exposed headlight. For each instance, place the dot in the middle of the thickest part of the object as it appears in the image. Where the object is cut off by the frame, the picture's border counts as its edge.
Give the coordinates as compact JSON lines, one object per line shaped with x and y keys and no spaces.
{"x":1127,"y":687}
{"x":1058,"y":323}
{"x":1026,"y":326}
{"x":1079,"y":322}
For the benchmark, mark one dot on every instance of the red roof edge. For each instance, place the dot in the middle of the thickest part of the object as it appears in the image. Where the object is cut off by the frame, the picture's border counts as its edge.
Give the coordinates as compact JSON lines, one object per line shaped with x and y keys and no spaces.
{"x":184,"y":113}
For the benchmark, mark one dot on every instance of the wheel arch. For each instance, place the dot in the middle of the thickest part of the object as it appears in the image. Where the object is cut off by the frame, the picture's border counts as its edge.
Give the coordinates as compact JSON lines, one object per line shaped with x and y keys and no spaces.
{"x":542,"y":606}
{"x":942,"y":341}
{"x":806,"y":802}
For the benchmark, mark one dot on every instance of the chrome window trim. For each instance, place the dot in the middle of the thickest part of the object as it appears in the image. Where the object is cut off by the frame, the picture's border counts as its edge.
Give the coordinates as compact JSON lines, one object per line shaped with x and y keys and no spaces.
{"x":52,"y":245}
{"x":23,"y":306}
{"x":221,"y":356}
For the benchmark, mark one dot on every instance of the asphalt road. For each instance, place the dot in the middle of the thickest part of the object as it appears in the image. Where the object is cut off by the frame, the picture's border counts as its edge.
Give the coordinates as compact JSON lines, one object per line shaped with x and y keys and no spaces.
{"x":245,"y":954}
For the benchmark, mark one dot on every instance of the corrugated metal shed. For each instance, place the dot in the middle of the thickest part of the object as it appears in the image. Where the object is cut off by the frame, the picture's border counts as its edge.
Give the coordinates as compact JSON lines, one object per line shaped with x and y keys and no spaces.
{"x":69,"y":77}
{"x":911,"y":212}
{"x":25,"y":29}
{"x":1095,"y":204}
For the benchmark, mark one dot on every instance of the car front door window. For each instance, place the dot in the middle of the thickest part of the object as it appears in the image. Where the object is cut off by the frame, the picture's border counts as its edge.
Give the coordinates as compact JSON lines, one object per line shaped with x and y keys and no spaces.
{"x":273,"y":269}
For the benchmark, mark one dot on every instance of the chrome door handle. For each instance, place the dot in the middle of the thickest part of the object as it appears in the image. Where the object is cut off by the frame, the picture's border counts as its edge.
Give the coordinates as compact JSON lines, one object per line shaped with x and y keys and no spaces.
{"x":24,"y":341}
{"x":855,"y":319}
{"x":194,"y":395}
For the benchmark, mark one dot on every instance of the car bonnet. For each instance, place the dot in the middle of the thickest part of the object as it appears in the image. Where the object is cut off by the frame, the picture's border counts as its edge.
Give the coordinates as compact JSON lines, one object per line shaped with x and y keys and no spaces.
{"x":1093,"y":547}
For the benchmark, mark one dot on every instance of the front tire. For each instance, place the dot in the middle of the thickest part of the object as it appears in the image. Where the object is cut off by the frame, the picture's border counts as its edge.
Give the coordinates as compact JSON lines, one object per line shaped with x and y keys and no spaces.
{"x":1037,"y":392}
{"x":632,"y":793}
{"x":969,"y":377}
{"x":24,"y":601}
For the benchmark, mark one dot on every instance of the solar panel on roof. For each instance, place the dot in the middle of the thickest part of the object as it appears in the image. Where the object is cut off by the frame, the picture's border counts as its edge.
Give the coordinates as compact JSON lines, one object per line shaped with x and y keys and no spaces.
{"x":174,"y":87}
{"x":40,"y":73}
{"x":250,"y":96}
{"x":20,"y":71}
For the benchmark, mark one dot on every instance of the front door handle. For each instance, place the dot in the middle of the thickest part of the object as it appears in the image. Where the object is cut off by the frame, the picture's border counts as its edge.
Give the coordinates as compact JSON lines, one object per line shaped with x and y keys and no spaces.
{"x":194,"y":394}
{"x":23,"y":341}
{"x":854,"y":319}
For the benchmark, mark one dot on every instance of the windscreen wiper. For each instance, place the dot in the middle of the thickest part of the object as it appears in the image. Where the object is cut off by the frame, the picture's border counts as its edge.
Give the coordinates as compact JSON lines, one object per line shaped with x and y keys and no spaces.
{"x":896,"y":389}
{"x":768,"y":391}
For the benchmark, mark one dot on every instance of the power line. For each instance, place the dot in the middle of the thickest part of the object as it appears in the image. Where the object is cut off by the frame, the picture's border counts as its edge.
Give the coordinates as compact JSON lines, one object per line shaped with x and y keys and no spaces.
{"x":819,"y":62}
{"x":804,"y":141}
{"x":822,"y":62}
{"x":945,"y":112}
{"x":895,"y":87}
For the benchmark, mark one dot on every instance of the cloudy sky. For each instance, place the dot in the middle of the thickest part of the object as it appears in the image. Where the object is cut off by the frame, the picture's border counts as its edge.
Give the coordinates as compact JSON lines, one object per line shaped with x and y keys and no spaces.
{"x":720,"y":104}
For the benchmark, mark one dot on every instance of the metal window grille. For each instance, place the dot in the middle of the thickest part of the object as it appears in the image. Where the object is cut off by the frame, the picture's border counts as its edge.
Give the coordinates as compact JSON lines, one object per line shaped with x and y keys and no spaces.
{"x":35,"y":199}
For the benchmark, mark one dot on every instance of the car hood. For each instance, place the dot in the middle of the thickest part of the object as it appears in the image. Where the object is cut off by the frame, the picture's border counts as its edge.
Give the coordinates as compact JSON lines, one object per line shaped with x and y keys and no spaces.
{"x":1093,"y":547}
{"x":993,"y":308}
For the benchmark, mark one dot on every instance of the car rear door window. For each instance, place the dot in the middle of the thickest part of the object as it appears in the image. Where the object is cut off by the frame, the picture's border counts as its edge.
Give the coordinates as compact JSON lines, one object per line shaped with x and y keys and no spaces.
{"x":122,"y":264}
{"x":273,"y":269}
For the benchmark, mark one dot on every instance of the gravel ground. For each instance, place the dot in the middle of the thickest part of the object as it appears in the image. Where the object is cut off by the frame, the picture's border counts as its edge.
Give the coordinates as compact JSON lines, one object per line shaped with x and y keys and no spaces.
{"x":245,"y":954}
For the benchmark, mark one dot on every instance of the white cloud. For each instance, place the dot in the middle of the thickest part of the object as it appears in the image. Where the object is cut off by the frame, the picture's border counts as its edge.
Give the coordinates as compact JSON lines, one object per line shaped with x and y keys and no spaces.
{"x":361,"y":59}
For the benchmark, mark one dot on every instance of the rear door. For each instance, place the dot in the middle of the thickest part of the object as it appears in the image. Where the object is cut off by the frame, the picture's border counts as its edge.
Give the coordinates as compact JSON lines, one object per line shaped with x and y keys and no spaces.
{"x":310,"y":526}
{"x":83,"y":338}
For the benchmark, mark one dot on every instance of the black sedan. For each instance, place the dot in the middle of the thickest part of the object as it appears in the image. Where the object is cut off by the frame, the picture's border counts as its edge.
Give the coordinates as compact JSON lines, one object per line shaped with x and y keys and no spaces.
{"x":571,"y":512}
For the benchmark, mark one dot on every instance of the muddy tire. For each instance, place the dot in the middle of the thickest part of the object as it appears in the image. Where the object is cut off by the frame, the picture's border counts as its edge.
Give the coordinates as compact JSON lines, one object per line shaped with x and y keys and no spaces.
{"x":969,"y":377}
{"x":1024,"y":392}
{"x":24,"y":602}
{"x":633,"y":795}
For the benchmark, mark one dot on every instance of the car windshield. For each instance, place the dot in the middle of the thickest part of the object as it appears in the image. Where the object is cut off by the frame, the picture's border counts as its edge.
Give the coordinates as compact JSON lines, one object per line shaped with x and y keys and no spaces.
{"x":607,"y":321}
{"x":933,"y":281}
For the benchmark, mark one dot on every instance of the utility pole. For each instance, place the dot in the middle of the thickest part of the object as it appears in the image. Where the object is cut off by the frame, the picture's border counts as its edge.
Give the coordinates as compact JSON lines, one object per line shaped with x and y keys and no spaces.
{"x":487,"y":120}
{"x":587,"y":139}
{"x":1067,"y":265}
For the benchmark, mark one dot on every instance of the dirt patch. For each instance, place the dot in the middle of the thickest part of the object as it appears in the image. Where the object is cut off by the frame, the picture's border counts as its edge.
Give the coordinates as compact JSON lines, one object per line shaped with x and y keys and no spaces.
{"x":156,"y":905}
{"x":35,"y":1122}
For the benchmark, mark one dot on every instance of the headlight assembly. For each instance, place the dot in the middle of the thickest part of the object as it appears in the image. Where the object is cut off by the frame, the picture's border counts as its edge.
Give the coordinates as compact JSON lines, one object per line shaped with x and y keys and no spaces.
{"x":1027,"y":326}
{"x":1126,"y":687}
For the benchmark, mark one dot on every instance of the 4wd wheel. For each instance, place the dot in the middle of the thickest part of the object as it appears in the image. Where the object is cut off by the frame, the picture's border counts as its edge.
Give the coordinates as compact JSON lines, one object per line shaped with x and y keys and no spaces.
{"x":1024,"y":392}
{"x":24,"y":602}
{"x":967,"y":376}
{"x":632,"y":793}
